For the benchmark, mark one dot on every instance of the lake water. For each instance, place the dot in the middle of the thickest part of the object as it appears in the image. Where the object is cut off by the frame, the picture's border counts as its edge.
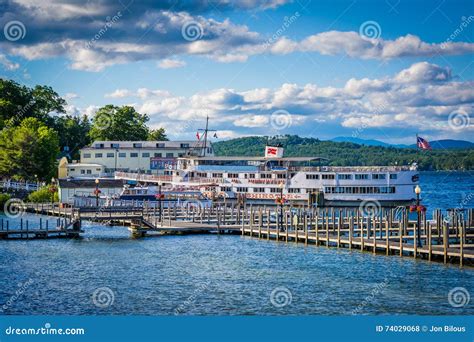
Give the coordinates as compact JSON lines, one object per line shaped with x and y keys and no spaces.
{"x":107,"y":272}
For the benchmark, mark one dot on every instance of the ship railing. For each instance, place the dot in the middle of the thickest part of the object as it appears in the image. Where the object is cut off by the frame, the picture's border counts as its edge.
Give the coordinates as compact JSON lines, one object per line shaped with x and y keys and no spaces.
{"x":351,"y":168}
{"x":142,"y":177}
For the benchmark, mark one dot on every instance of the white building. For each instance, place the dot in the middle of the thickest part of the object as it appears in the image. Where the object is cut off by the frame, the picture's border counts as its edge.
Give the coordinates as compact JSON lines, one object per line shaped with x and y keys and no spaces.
{"x":152,"y":157}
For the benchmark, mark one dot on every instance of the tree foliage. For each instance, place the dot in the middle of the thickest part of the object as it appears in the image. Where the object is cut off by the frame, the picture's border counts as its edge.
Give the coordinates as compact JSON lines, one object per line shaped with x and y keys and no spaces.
{"x":73,"y":133}
{"x":343,"y":153}
{"x":18,"y":102}
{"x":28,"y":149}
{"x":157,"y":135}
{"x":43,"y":195}
{"x":119,"y":123}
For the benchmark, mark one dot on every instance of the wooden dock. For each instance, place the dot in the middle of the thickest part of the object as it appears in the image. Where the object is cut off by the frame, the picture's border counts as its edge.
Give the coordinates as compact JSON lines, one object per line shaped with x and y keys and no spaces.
{"x":447,"y":237}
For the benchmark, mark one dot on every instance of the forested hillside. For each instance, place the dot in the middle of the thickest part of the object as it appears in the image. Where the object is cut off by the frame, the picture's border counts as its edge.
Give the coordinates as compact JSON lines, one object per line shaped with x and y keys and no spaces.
{"x":342,"y":153}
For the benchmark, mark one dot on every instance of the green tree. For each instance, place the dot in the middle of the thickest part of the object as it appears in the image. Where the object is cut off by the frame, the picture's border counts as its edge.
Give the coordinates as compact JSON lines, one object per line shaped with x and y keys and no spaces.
{"x":119,"y":123}
{"x":28,"y":149}
{"x":157,"y":135}
{"x":43,"y":195}
{"x":73,"y":133}
{"x":18,"y":102}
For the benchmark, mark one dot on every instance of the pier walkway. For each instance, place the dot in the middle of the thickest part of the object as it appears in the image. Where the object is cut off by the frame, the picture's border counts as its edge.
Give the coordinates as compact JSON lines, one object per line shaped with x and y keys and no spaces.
{"x":447,"y":237}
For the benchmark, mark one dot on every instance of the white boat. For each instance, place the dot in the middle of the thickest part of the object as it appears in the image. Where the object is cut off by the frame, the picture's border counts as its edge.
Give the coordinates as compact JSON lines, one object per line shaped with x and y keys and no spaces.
{"x":296,"y":179}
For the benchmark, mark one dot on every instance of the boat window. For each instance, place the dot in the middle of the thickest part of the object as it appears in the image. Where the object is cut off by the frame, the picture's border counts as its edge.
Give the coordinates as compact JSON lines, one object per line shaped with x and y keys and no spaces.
{"x":259,"y":190}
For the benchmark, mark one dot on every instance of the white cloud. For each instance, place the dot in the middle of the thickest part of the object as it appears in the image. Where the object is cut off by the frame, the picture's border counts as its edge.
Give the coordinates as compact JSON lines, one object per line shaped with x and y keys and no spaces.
{"x":7,"y":64}
{"x":171,"y":63}
{"x":119,"y":93}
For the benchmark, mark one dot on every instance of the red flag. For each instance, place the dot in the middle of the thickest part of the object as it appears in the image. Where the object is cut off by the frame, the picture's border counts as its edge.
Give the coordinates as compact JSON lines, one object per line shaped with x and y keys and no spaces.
{"x":197,"y":135}
{"x":422,"y":143}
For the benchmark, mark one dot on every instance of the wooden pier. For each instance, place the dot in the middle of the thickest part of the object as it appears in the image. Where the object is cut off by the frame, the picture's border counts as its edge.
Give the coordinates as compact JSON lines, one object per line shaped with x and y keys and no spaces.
{"x":447,"y":237}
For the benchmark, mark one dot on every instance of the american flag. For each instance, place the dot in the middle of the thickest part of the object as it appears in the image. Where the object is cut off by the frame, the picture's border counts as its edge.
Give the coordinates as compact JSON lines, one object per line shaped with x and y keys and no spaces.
{"x":422,"y":143}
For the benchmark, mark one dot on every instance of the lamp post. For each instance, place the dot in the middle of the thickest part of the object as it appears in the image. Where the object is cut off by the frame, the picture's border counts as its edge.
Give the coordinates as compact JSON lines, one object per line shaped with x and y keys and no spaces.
{"x":282,"y":185}
{"x":418,"y":192}
{"x":159,"y":200}
{"x":97,"y":192}
{"x":52,"y":189}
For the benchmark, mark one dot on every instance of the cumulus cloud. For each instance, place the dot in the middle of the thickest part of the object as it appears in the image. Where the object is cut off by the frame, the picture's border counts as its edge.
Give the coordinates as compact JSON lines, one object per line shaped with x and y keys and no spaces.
{"x":420,"y":97}
{"x":7,"y":64}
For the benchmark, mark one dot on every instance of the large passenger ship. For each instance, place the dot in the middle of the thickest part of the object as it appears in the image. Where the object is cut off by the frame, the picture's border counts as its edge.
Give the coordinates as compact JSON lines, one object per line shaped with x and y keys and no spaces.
{"x":295,"y":179}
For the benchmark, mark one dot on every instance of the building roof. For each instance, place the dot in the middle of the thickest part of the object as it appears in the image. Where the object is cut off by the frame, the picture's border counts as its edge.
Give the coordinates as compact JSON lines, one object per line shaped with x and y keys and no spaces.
{"x":145,"y":144}
{"x":90,"y":183}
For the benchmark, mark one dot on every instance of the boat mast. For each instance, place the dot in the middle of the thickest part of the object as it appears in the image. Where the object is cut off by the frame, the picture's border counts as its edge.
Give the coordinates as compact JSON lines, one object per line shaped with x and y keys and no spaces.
{"x":206,"y":130}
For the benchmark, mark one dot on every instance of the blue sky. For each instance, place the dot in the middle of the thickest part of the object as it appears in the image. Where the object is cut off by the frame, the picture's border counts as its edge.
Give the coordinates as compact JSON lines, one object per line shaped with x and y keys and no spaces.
{"x":367,"y":69}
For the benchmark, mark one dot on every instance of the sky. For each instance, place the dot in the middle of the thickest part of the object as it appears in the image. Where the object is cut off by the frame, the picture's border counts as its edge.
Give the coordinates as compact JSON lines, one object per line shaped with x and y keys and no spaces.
{"x":386,"y":70}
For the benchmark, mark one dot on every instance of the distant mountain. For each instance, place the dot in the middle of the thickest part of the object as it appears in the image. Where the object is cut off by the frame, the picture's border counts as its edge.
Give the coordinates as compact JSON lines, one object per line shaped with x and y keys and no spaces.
{"x":435,"y":144}
{"x":366,"y":142}
{"x":449,"y":144}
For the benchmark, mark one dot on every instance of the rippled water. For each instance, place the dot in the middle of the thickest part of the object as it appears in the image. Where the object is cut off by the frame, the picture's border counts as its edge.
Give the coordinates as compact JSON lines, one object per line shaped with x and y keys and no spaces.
{"x":224,"y":275}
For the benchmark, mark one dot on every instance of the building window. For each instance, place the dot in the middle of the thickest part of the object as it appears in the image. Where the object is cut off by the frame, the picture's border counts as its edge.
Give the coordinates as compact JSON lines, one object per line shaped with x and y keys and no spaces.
{"x":145,"y":155}
{"x":160,"y":145}
{"x":327,"y":176}
{"x":260,"y":190}
{"x":184,"y":145}
{"x":89,"y":172}
{"x":137,"y":145}
{"x":97,"y":169}
{"x":133,"y":155}
{"x":98,"y":155}
{"x":241,"y":189}
{"x":361,"y":176}
{"x":72,"y":170}
{"x":312,"y":176}
{"x":86,"y":155}
{"x":83,"y":172}
{"x":99,"y":145}
{"x":169,"y":155}
{"x":393,"y":176}
{"x":110,"y":155}
{"x":233,"y":175}
{"x":158,"y":155}
{"x":115,"y":145}
{"x":344,"y":176}
{"x":122,"y":155}
{"x":378,"y":176}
